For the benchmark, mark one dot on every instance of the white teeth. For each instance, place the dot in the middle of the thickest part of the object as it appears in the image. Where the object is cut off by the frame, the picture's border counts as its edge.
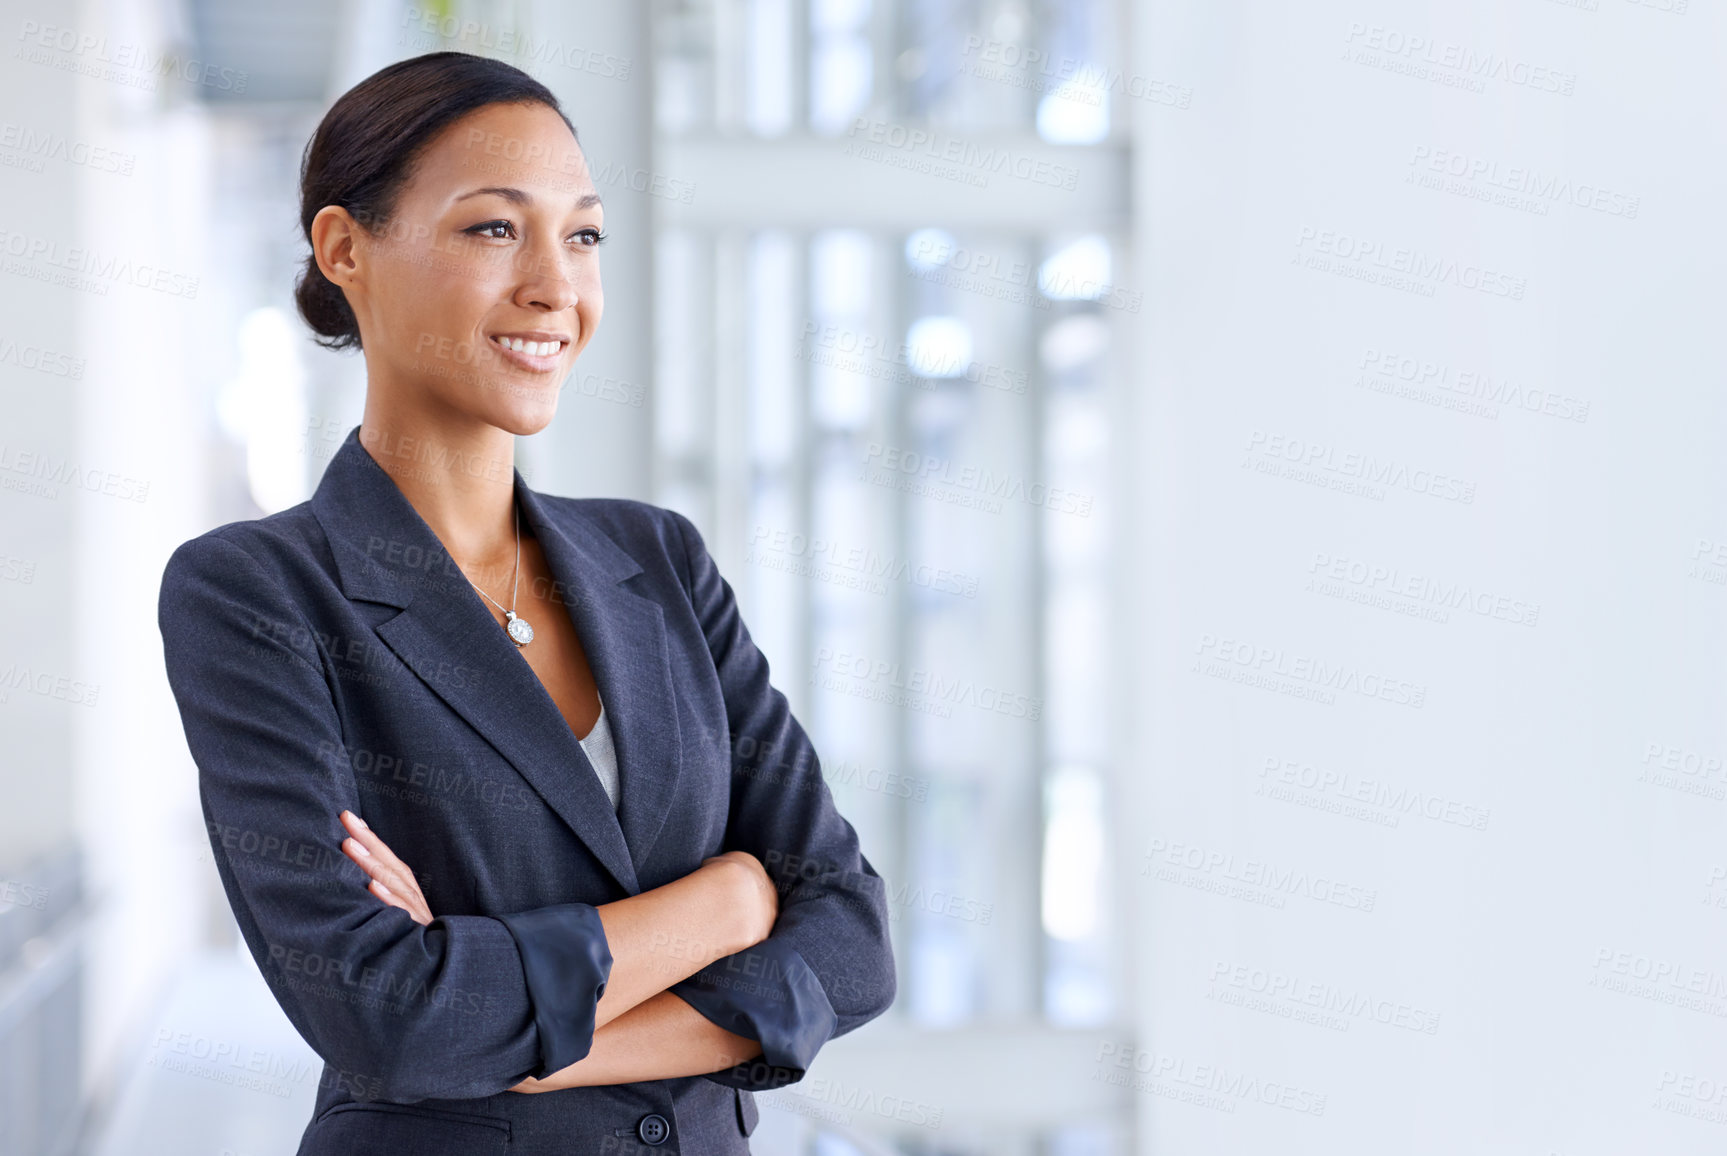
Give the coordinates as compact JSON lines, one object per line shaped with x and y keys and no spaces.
{"x":532,"y":348}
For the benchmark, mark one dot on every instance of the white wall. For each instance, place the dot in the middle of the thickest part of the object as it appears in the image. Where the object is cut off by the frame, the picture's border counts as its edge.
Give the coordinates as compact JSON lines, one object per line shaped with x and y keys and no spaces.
{"x":1520,"y":942}
{"x":144,"y":412}
{"x":40,"y":328}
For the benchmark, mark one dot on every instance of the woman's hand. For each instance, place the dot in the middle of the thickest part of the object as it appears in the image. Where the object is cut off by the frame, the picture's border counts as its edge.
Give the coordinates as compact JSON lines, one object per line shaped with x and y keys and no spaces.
{"x":391,"y":880}
{"x":750,"y":893}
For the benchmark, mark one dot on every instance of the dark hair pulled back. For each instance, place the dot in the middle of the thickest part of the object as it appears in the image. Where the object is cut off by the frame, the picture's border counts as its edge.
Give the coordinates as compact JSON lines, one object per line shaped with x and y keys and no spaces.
{"x":364,"y":150}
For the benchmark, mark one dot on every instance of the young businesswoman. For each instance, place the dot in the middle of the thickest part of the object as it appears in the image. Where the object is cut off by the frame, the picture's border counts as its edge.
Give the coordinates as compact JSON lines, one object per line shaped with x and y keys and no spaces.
{"x":520,"y":834}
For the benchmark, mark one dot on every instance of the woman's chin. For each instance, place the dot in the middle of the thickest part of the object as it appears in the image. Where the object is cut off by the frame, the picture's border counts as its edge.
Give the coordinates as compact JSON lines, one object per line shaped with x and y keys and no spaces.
{"x":525,"y":419}
{"x":507,"y":401}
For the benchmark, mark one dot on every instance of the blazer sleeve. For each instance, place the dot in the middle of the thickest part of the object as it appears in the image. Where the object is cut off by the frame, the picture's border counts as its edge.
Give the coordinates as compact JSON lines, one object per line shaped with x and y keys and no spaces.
{"x":828,"y":965}
{"x":463,"y":1007}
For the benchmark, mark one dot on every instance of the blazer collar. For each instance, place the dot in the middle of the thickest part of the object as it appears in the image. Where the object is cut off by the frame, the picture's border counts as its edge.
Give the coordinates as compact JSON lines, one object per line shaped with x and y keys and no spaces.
{"x":446,"y":634}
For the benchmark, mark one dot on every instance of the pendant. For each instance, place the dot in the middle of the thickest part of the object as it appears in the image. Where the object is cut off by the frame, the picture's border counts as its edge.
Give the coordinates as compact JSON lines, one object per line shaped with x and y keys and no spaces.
{"x":520,"y":632}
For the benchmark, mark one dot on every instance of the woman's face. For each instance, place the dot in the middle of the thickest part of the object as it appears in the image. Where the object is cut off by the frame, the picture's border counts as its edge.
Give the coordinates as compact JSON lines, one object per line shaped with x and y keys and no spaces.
{"x":485,"y":285}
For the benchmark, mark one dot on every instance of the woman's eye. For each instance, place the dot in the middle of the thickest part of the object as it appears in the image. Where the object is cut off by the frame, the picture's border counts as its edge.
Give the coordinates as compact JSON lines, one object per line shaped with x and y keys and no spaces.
{"x":505,"y":231}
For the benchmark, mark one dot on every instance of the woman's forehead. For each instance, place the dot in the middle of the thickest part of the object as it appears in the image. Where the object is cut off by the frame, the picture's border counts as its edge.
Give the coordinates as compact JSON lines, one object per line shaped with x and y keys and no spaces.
{"x":505,"y":151}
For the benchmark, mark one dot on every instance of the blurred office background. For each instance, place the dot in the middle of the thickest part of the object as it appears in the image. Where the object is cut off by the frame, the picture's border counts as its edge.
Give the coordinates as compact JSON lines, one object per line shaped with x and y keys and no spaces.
{"x":1230,"y":488}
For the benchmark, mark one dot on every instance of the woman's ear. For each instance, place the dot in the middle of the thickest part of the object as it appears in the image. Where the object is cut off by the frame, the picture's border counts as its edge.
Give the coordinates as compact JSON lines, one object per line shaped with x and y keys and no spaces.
{"x":334,"y":233}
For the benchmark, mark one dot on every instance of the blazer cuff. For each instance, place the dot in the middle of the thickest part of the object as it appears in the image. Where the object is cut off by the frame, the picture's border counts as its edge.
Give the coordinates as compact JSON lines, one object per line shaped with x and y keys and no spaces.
{"x":567,"y":962}
{"x":769,"y":994}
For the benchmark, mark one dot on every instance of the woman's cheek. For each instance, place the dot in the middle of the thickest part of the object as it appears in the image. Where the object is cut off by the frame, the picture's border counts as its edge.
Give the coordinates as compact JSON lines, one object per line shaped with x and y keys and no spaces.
{"x":589,"y":307}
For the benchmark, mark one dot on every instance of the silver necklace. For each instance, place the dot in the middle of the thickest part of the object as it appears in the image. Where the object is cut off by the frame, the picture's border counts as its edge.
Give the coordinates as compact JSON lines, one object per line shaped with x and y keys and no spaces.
{"x":519,"y":631}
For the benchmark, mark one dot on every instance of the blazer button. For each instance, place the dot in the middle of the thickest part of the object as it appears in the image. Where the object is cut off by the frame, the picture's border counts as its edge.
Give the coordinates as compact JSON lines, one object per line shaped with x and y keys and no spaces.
{"x":653,"y":1129}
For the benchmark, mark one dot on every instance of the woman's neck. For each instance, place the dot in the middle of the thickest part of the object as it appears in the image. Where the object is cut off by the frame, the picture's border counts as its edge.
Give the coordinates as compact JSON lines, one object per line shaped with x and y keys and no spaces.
{"x":459,"y":477}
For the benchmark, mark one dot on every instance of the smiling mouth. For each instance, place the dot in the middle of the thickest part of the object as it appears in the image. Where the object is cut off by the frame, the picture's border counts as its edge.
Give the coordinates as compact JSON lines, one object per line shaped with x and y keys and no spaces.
{"x":536,"y":349}
{"x":534,"y":356}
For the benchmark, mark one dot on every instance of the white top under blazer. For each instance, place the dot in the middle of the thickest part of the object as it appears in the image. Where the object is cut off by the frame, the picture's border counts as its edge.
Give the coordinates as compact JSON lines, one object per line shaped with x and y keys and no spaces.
{"x":603,"y":755}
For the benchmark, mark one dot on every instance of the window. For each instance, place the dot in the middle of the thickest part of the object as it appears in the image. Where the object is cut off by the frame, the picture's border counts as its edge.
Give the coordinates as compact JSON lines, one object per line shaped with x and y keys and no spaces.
{"x":893,"y":425}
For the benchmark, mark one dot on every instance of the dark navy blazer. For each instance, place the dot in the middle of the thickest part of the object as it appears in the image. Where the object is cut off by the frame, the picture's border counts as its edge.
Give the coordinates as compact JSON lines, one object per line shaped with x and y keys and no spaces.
{"x":333,"y":656}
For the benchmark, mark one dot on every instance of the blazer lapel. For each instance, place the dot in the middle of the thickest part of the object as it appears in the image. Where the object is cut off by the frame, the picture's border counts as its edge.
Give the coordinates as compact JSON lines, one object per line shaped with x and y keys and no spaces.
{"x":385,"y":552}
{"x":624,"y":636}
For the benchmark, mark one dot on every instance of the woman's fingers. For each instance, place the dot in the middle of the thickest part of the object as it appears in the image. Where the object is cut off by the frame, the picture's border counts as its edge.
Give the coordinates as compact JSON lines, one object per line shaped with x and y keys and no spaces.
{"x":369,"y":842}
{"x":383,"y":874}
{"x":374,"y":858}
{"x":392,"y":881}
{"x":416,"y":908}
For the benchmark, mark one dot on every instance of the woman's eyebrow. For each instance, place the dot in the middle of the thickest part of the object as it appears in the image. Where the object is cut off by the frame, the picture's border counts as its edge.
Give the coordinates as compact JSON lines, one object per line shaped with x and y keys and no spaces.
{"x":522,"y":197}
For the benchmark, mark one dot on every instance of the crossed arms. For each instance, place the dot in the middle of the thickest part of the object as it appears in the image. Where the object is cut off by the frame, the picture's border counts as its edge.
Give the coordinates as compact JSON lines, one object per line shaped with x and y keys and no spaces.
{"x":641,"y":1030}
